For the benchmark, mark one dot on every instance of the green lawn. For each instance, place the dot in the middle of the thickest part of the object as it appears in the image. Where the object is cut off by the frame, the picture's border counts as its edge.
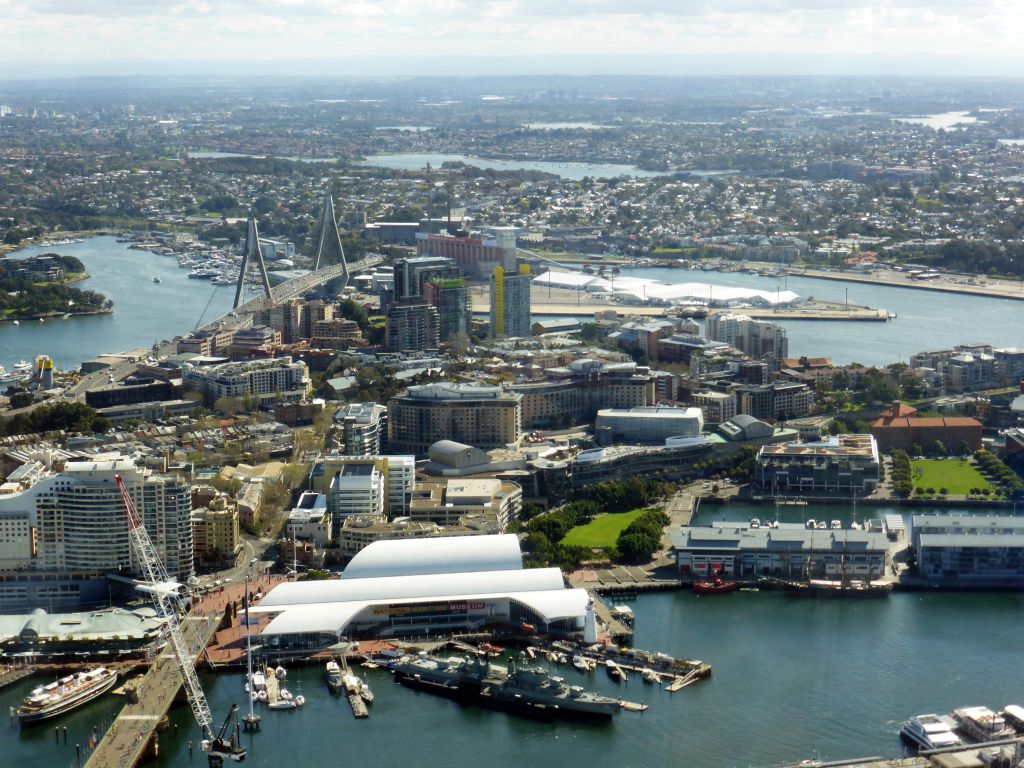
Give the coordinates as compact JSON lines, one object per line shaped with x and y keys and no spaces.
{"x":602,"y":531}
{"x":956,"y":475}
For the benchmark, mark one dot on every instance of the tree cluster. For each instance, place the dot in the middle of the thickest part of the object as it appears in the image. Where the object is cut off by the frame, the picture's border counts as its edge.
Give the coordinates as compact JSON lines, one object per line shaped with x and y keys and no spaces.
{"x":642,"y":538}
{"x":70,"y":417}
{"x":999,"y":474}
{"x":902,"y":484}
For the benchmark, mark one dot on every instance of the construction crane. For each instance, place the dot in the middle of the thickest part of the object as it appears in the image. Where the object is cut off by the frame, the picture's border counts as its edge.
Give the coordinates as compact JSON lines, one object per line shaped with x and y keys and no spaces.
{"x":166,"y":600}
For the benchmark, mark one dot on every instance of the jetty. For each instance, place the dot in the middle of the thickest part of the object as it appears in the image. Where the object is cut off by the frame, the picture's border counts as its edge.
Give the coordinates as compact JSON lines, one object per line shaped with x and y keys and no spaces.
{"x":133,"y":732}
{"x":14,"y":674}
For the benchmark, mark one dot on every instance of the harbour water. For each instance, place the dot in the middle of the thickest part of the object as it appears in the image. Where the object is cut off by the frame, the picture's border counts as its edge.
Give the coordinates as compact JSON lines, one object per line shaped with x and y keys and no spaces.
{"x":415,"y":161}
{"x":144,"y":311}
{"x":793,"y":678}
{"x":925,"y":319}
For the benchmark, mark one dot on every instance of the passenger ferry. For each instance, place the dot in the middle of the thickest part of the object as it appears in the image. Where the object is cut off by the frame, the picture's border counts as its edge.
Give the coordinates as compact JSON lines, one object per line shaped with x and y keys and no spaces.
{"x":62,"y":696}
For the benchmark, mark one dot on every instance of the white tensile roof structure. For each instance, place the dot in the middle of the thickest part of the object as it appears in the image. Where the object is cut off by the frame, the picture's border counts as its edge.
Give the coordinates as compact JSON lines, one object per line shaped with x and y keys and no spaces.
{"x":644,"y":289}
{"x":428,"y":570}
{"x":444,"y":554}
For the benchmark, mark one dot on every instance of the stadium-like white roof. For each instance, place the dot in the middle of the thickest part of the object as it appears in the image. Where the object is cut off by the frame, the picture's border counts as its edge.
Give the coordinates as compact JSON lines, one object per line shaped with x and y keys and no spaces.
{"x":445,"y":554}
{"x":402,"y":588}
{"x":409,"y":571}
{"x":645,"y":289}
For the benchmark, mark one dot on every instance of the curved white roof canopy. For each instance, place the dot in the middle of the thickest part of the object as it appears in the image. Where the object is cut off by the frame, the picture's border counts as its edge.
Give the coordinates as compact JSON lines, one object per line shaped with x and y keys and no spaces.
{"x":444,"y":554}
{"x":552,"y":605}
{"x":399,"y":588}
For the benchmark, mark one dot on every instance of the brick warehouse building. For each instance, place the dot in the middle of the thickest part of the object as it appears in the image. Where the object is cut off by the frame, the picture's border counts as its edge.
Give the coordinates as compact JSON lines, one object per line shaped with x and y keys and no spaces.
{"x":901,"y":427}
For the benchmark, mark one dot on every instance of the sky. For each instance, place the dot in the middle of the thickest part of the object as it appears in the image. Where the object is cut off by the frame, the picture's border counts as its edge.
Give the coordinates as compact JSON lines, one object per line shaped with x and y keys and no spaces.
{"x":86,"y":37}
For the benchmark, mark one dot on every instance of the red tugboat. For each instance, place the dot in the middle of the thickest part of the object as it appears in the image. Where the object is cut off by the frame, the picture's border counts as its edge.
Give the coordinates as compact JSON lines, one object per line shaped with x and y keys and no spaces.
{"x":715,"y":586}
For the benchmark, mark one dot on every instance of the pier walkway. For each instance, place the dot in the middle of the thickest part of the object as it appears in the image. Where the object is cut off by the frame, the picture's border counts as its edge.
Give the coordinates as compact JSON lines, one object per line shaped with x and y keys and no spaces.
{"x":133,"y":731}
{"x":11,"y":675}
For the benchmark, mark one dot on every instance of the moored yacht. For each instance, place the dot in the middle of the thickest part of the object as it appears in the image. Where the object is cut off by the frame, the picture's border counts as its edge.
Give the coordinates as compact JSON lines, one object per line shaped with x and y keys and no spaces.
{"x":930,"y":732}
{"x":65,"y":694}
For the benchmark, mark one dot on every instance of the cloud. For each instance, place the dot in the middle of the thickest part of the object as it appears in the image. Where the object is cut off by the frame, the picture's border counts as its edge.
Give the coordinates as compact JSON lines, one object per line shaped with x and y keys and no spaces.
{"x":226,"y":30}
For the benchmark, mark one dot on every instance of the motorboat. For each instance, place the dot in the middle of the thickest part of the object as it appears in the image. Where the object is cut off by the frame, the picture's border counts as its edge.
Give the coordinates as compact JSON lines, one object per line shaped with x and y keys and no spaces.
{"x":930,"y":732}
{"x":649,"y":675}
{"x":614,"y":671}
{"x":280,"y":672}
{"x":333,"y":671}
{"x":580,"y":663}
{"x":365,"y":693}
{"x":282,"y":704}
{"x":156,"y":278}
{"x":299,"y":700}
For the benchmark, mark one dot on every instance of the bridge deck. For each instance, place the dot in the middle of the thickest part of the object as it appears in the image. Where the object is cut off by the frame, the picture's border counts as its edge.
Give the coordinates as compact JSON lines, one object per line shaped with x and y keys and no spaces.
{"x":123,"y":745}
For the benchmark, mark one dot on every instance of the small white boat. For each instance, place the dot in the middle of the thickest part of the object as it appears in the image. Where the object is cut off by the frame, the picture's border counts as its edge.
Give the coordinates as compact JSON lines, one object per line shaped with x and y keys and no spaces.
{"x":365,"y":693}
{"x":286,"y":694}
{"x":300,"y":700}
{"x":156,"y":279}
{"x":281,"y":704}
{"x":580,"y":663}
{"x":261,"y":695}
{"x":16,"y":322}
{"x":280,"y":672}
{"x":649,"y":675}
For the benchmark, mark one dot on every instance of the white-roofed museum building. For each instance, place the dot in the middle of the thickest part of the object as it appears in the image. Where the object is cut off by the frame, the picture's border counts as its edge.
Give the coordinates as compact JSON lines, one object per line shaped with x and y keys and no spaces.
{"x":416,"y":587}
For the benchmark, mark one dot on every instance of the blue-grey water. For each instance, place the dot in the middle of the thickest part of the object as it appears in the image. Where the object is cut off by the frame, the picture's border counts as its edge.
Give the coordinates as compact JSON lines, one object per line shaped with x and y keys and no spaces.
{"x":793,"y":678}
{"x":144,"y":311}
{"x":925,"y":319}
{"x":416,"y":161}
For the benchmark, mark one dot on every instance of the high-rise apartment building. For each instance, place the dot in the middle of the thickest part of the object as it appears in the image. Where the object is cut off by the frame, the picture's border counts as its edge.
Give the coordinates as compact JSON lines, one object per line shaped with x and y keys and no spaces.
{"x":364,"y":428}
{"x":510,"y":303}
{"x":757,"y":338}
{"x":450,"y":297}
{"x":411,"y":275}
{"x":67,"y":531}
{"x":364,"y":485}
{"x":412,"y":327}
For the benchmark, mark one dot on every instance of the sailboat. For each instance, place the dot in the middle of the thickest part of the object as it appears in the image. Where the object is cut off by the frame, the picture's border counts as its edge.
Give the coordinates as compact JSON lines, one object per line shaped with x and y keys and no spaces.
{"x":251,"y":720}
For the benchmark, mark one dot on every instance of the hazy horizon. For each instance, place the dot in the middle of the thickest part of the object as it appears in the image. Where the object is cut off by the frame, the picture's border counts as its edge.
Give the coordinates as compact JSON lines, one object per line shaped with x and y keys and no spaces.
{"x":944,"y":38}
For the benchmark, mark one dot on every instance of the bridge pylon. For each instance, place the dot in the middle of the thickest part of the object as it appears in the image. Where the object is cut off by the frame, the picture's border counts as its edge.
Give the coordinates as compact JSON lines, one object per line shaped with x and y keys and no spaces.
{"x":329,"y":241}
{"x":252,"y":261}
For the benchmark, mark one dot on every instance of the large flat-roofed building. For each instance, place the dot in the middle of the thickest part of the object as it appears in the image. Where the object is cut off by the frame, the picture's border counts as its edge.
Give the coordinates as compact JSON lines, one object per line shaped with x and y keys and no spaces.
{"x":649,"y":425}
{"x":360,"y":532}
{"x":482,"y":416}
{"x":672,"y":461}
{"x":268,"y":381}
{"x":788,"y":551}
{"x":423,"y":586}
{"x":57,"y":637}
{"x":845,"y":465}
{"x":986,"y":550}
{"x":576,"y":392}
{"x":348,"y":483}
{"x":445,"y":502}
{"x":476,"y":256}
